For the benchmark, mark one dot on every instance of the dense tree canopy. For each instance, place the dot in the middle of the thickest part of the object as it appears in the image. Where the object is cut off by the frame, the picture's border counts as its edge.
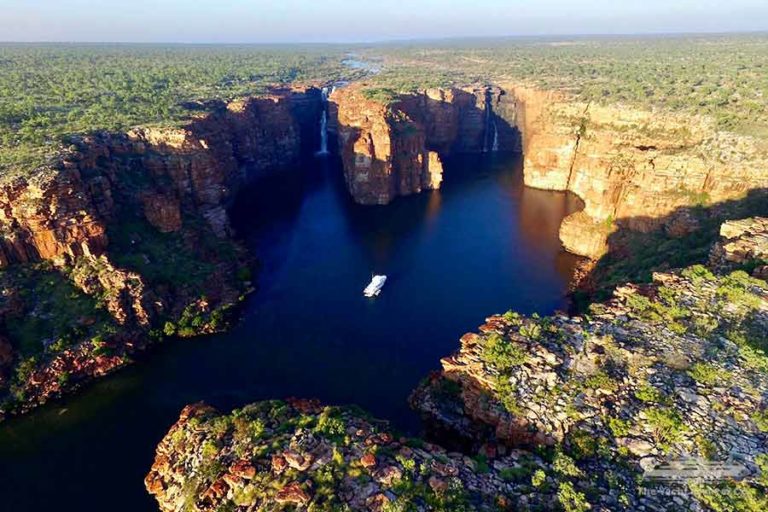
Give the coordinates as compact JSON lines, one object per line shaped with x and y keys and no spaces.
{"x":50,"y":91}
{"x":724,"y":76}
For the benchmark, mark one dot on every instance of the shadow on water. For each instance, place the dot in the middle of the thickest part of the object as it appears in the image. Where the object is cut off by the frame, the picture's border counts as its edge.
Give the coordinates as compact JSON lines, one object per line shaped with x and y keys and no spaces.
{"x":482,"y":244}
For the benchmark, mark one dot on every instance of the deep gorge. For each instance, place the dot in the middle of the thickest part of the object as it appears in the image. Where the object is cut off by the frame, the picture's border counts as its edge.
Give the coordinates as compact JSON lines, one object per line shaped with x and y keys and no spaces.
{"x":307,"y":327}
{"x":242,"y":180}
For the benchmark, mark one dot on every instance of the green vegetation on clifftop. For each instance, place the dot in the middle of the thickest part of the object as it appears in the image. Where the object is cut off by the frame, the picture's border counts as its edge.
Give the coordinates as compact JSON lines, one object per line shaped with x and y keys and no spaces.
{"x":50,"y":91}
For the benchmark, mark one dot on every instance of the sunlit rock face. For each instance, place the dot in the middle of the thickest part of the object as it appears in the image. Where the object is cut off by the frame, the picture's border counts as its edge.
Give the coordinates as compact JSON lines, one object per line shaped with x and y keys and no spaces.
{"x":393,"y":147}
{"x":744,"y":244}
{"x":632,"y":168}
{"x":110,"y":193}
{"x":62,"y":211}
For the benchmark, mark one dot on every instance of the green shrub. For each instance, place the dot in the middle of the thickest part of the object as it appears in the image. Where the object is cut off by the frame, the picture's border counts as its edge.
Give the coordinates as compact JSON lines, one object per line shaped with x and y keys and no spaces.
{"x":761,"y":420}
{"x":570,"y":499}
{"x":619,"y":427}
{"x":601,"y":380}
{"x":668,"y":427}
{"x":501,"y":353}
{"x":698,"y":274}
{"x":709,"y":374}
{"x":538,"y":478}
{"x":481,"y":463}
{"x":730,"y":497}
{"x":565,"y":466}
{"x":648,"y":393}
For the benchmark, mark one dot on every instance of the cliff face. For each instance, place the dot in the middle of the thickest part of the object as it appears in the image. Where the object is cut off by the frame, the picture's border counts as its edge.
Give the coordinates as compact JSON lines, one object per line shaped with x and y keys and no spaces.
{"x":745,"y":243}
{"x":383,"y":151}
{"x":395,"y":149}
{"x":132,"y":219}
{"x":654,"y":374}
{"x":630,"y":167}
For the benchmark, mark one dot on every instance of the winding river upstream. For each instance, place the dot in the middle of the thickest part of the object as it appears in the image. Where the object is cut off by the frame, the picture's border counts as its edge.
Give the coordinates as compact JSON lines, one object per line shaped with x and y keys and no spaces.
{"x":483,"y":244}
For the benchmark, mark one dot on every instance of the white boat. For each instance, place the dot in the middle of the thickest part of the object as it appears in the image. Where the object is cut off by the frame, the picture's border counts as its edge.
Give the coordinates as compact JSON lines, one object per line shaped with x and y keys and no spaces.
{"x":375,"y":286}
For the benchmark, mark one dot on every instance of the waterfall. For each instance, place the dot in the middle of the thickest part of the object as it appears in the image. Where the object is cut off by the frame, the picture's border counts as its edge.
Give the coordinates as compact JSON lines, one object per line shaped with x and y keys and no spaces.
{"x":323,"y":133}
{"x":324,"y":124}
{"x":491,"y":132}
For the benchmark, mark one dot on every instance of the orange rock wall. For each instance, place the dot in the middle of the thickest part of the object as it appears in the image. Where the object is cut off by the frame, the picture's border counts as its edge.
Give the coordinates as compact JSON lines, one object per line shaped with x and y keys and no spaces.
{"x":62,"y":211}
{"x":396,"y":149}
{"x":631,"y":167}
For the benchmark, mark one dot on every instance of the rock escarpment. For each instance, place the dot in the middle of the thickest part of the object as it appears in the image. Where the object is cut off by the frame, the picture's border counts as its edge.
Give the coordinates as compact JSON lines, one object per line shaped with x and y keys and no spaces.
{"x":632,"y":168}
{"x":393,"y":146}
{"x":135,"y":225}
{"x":63,"y":211}
{"x":744,"y":244}
{"x":662,"y":371}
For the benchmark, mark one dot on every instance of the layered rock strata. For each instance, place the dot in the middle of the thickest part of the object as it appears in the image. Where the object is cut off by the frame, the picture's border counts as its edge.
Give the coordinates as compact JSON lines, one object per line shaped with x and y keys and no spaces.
{"x":139,"y":223}
{"x":63,"y":211}
{"x":745,"y":243}
{"x":395,"y":146}
{"x":633,"y":168}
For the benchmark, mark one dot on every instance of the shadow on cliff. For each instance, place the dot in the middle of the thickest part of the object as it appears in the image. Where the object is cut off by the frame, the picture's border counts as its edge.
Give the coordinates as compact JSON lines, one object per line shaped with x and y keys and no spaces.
{"x":464,"y":125}
{"x":396,"y":147}
{"x":684,"y":238}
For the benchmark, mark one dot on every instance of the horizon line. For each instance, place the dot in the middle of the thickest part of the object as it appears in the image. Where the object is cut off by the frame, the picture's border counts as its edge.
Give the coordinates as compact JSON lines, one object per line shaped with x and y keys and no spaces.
{"x":402,"y":40}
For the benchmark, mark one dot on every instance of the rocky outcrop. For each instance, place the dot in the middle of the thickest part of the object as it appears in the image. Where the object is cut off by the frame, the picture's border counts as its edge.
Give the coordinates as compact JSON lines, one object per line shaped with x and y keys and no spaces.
{"x":275,"y":455}
{"x":383,"y":151}
{"x":394,"y":148}
{"x":669,"y":370}
{"x":632,"y":168}
{"x":133,"y":218}
{"x":125,"y":295}
{"x":52,"y":215}
{"x":745,"y":243}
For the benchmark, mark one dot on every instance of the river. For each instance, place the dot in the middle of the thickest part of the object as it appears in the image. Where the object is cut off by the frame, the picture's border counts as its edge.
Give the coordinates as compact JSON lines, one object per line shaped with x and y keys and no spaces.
{"x":481,"y":245}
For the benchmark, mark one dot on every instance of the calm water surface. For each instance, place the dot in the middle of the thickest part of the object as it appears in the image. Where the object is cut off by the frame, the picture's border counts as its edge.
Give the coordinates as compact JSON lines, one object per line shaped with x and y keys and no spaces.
{"x":481,"y":245}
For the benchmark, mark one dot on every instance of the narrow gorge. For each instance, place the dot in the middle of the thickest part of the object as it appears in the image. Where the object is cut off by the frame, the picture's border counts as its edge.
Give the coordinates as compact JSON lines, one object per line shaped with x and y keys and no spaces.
{"x":634,"y":170}
{"x":161,"y":232}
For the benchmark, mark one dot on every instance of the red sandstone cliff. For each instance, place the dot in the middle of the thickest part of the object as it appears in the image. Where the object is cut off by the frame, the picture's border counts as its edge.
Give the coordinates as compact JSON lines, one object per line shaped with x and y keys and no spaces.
{"x":395,"y":149}
{"x":631,"y":167}
{"x":62,"y":211}
{"x":178,"y":180}
{"x":383,"y":150}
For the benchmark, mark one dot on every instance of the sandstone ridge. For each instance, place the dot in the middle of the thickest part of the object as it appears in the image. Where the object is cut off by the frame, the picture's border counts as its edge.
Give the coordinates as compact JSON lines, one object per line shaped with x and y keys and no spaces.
{"x":634,"y":169}
{"x":395,"y":146}
{"x":135,"y":227}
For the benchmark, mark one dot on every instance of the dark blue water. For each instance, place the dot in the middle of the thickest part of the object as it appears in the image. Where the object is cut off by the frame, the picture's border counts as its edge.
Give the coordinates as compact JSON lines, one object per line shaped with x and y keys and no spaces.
{"x":483,"y":244}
